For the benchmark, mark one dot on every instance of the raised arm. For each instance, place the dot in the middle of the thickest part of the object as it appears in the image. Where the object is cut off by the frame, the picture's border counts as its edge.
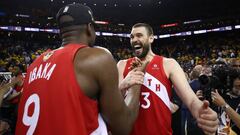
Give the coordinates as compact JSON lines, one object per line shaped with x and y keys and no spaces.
{"x":206,"y":117}
{"x":119,"y":116}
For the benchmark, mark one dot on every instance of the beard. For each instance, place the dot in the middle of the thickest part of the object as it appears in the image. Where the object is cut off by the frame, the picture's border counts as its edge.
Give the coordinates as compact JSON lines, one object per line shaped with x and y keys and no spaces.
{"x":141,"y":50}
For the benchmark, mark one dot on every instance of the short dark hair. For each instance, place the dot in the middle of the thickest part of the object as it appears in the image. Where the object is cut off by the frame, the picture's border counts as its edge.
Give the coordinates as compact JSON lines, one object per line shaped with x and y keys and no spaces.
{"x":147,"y":27}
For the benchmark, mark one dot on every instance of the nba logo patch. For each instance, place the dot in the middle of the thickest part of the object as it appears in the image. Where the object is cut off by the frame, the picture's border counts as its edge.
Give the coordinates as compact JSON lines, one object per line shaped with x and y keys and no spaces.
{"x":47,"y":56}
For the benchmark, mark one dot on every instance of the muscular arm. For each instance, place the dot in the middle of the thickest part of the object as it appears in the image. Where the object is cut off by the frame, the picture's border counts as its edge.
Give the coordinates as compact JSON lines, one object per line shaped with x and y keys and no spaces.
{"x":120,"y":65}
{"x":101,"y":68}
{"x":205,"y":116}
{"x":121,"y":117}
{"x":183,"y":89}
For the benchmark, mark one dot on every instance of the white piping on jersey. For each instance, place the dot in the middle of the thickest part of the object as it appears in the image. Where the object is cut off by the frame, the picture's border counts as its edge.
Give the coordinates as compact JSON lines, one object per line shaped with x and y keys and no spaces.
{"x":162,"y":93}
{"x":102,"y":128}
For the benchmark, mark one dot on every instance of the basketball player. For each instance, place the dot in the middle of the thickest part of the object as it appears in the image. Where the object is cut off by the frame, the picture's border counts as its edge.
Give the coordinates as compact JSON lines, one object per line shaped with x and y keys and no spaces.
{"x":66,"y":89}
{"x":155,"y":111}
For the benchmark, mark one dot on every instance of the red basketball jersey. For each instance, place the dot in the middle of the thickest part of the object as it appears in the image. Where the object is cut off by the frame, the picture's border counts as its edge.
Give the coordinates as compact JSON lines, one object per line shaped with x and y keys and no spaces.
{"x":52,"y":102}
{"x":154,"y":114}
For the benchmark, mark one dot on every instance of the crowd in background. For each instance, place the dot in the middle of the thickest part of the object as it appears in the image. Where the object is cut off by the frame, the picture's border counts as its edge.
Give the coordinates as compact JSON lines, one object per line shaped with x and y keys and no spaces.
{"x":187,"y":51}
{"x":17,"y":55}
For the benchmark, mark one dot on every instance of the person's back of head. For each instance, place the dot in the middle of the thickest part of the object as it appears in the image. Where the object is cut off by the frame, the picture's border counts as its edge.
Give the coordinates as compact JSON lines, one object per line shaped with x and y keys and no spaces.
{"x":76,"y":24}
{"x":196,"y":72}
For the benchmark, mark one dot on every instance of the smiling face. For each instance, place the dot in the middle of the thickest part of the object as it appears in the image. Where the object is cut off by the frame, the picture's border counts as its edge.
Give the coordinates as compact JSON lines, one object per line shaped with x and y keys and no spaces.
{"x":141,"y":40}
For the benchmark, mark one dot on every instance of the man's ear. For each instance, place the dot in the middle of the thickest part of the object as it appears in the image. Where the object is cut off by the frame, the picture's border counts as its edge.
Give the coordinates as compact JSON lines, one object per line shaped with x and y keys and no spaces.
{"x":151,"y":38}
{"x":89,"y":29}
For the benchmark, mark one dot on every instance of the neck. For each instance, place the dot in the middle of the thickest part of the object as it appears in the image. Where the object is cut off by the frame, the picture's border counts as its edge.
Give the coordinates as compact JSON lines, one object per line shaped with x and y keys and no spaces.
{"x":149,"y":55}
{"x":73,"y":40}
{"x":74,"y":37}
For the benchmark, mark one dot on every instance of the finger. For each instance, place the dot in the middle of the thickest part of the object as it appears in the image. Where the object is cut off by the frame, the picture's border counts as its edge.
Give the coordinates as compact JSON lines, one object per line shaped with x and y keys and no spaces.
{"x":134,"y":69}
{"x":208,"y":133}
{"x":199,"y":91}
{"x":133,"y":76}
{"x":139,"y":82}
{"x":138,"y":73}
{"x":205,"y":104}
{"x":137,"y":79}
{"x":208,"y":114}
{"x":213,"y":93}
{"x":208,"y":129}
{"x":144,"y":65}
{"x":213,"y":97}
{"x":216,"y":91}
{"x":138,"y":60}
{"x":208,"y":121}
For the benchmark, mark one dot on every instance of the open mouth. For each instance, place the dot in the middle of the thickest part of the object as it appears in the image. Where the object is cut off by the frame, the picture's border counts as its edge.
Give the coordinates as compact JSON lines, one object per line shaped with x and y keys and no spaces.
{"x":137,"y":47}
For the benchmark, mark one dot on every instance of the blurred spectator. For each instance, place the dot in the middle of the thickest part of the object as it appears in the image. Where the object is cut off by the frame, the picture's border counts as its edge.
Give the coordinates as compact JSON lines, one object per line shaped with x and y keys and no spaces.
{"x":228,"y":106}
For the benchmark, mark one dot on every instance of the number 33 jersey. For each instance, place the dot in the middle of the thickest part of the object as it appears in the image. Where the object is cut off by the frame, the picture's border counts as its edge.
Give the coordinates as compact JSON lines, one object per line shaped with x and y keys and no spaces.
{"x":52,"y":102}
{"x":154,"y":114}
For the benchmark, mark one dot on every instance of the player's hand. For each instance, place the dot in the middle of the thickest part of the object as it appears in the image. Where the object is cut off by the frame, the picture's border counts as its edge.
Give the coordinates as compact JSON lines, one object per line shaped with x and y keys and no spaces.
{"x":207,"y":119}
{"x":134,"y":77}
{"x":18,"y":81}
{"x":139,"y":65}
{"x":217,"y":99}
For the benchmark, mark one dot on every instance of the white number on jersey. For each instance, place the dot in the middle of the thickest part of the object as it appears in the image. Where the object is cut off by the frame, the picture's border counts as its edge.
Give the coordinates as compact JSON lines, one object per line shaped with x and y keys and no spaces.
{"x":31,"y":121}
{"x":147,"y":101}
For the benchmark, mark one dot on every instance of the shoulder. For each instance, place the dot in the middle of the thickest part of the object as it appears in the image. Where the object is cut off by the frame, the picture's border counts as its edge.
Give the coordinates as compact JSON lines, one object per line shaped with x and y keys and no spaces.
{"x":94,"y":58}
{"x":94,"y":54}
{"x":169,"y":61}
{"x":122,"y":63}
{"x":170,"y":65}
{"x":103,"y":48}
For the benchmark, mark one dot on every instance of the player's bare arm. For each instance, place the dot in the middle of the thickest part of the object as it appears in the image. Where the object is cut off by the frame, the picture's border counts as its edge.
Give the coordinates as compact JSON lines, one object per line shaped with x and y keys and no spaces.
{"x":98,"y":70}
{"x":206,"y":117}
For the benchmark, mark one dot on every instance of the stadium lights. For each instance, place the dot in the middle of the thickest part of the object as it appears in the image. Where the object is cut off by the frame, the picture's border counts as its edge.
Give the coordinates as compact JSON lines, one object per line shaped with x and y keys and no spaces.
{"x":164,"y":36}
{"x":99,"y":33}
{"x":193,"y":21}
{"x":21,"y":15}
{"x":237,"y":26}
{"x":107,"y":34}
{"x":121,"y":24}
{"x":169,"y":25}
{"x":49,"y":18}
{"x":199,"y":31}
{"x":101,"y":22}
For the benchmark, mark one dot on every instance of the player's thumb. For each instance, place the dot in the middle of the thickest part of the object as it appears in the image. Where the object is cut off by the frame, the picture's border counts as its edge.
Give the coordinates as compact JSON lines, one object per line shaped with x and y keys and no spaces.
{"x":205,"y":104}
{"x":143,"y":67}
